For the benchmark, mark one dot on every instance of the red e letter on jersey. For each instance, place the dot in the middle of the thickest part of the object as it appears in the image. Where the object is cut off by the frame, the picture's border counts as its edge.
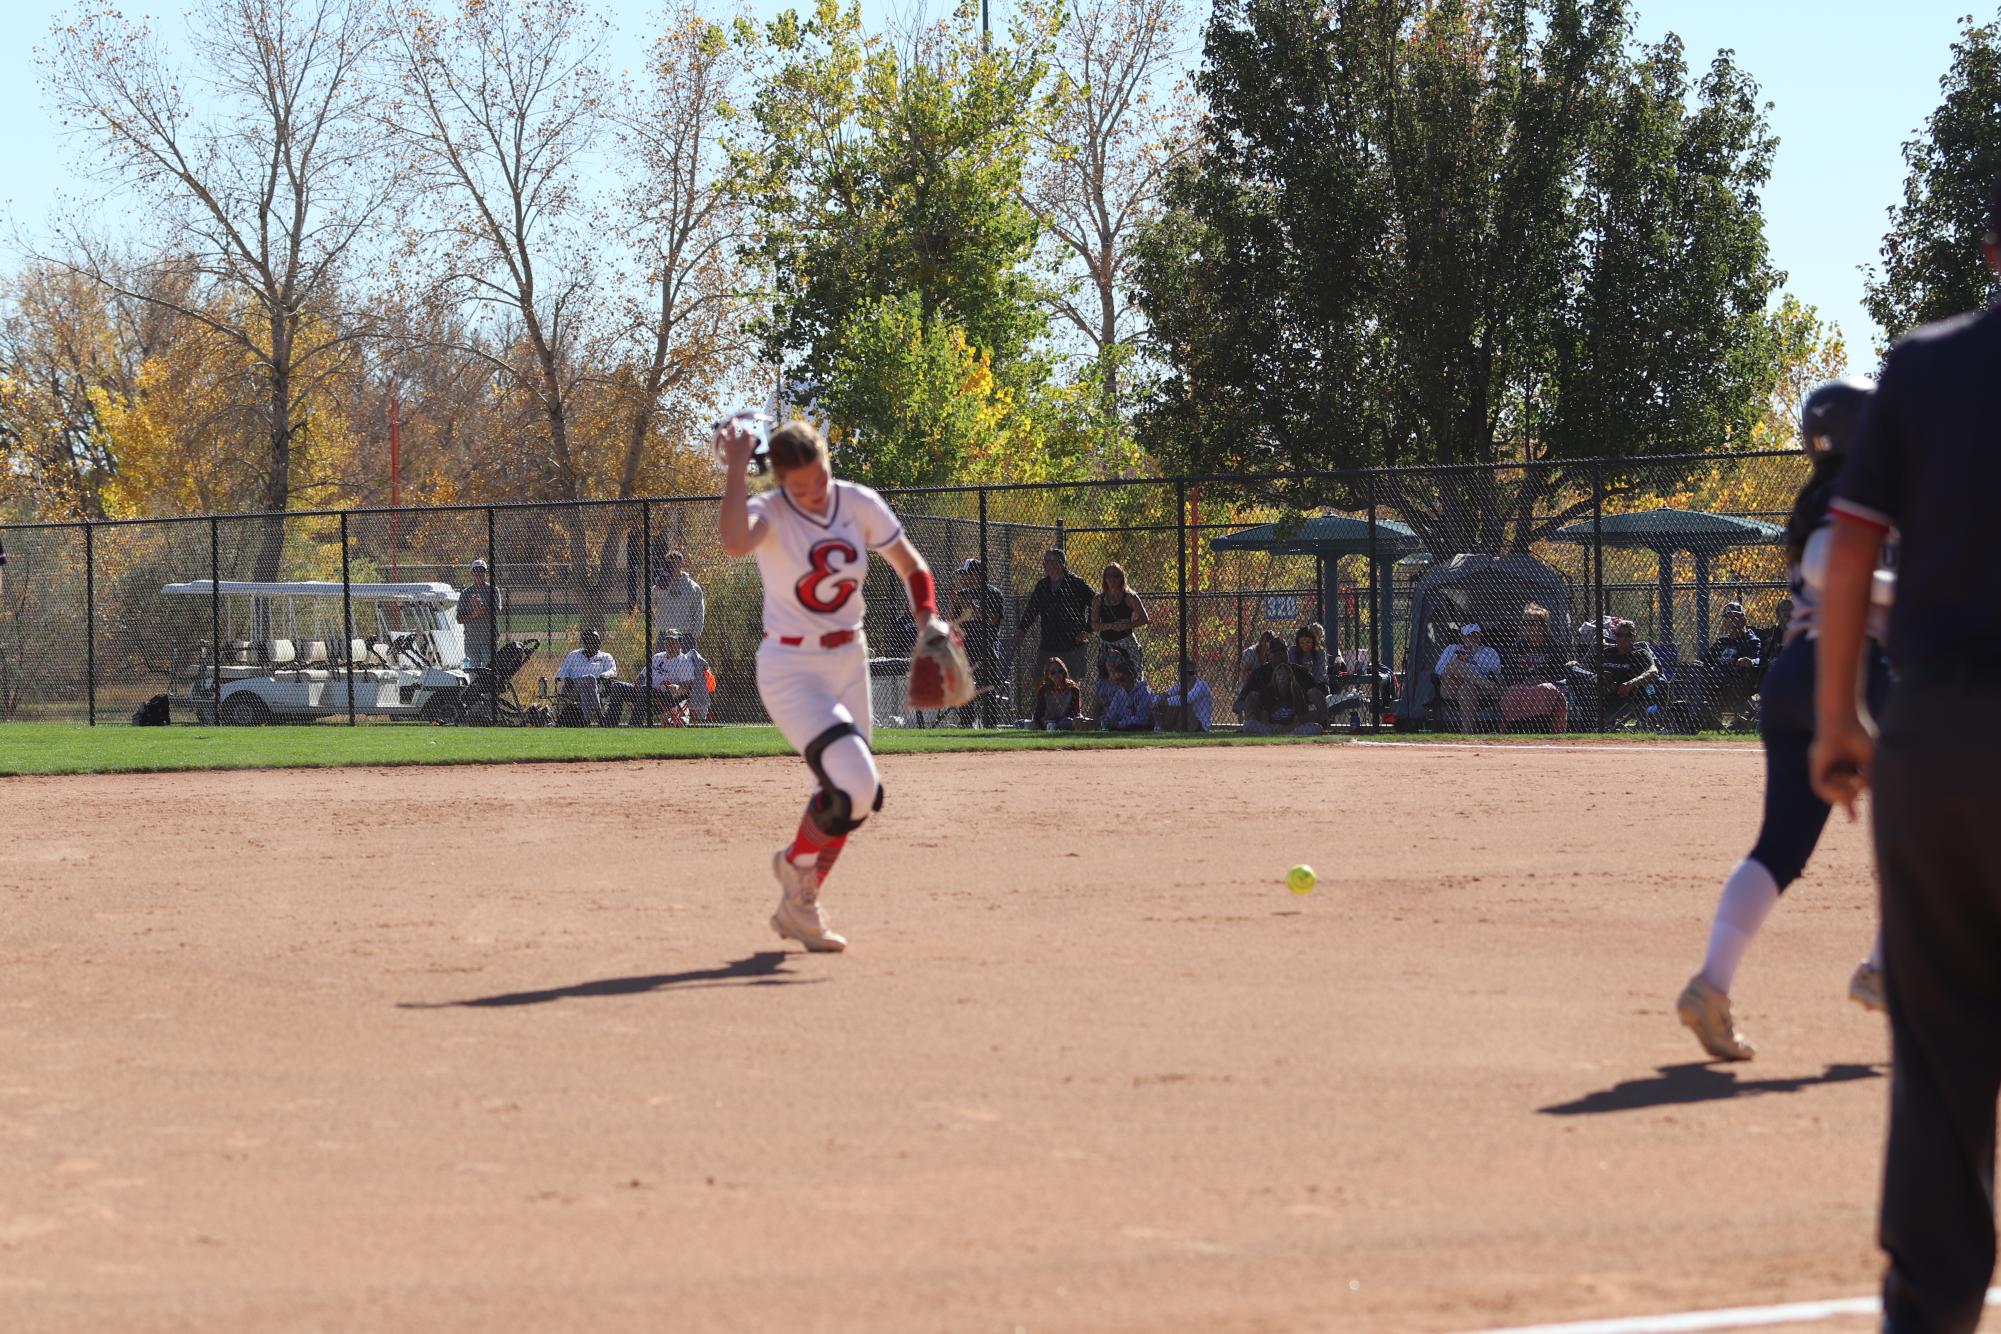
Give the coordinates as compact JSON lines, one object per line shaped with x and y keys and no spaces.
{"x":812,"y":595}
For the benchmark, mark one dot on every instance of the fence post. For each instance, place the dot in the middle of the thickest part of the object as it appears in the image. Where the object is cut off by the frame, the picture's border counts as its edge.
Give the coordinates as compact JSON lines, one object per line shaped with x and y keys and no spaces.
{"x":90,"y":620}
{"x":1375,"y":619}
{"x":646,"y":602}
{"x":493,"y":625}
{"x":1181,"y":598}
{"x":347,"y":615}
{"x":215,"y":617}
{"x":1597,"y":589}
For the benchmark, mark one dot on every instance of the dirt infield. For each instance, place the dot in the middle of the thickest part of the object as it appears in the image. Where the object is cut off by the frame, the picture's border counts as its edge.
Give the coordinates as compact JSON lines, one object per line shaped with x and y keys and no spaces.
{"x":511,"y":1049}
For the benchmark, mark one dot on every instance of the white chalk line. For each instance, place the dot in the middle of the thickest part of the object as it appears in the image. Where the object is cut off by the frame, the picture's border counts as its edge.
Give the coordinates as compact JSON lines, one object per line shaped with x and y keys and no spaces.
{"x":1611,"y":748}
{"x":1736,"y":1317}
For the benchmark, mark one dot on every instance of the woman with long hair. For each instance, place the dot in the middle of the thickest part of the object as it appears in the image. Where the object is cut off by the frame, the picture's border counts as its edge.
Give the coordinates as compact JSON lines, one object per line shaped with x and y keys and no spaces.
{"x":1116,"y":613}
{"x":1059,"y":701}
{"x":1793,"y":815}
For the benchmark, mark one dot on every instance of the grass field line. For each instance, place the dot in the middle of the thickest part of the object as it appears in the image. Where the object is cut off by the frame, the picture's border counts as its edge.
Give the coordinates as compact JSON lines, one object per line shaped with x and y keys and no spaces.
{"x":1609,"y":746}
{"x":1736,"y":1317}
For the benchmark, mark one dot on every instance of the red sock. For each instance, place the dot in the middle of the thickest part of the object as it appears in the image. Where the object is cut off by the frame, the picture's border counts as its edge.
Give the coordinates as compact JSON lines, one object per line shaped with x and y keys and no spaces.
{"x":810,"y":842}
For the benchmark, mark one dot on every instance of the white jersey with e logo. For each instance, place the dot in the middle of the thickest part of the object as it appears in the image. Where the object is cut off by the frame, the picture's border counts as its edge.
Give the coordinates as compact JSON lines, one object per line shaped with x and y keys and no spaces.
{"x":813,"y":565}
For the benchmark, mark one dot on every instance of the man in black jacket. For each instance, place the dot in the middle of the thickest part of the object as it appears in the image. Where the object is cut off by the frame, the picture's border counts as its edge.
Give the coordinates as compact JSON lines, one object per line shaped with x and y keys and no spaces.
{"x":1062,"y":602}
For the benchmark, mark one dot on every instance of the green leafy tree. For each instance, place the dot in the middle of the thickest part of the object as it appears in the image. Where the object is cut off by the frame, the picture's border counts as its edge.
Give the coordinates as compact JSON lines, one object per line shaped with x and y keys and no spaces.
{"x":894,"y":170}
{"x":1932,"y":266}
{"x":1459,"y":232}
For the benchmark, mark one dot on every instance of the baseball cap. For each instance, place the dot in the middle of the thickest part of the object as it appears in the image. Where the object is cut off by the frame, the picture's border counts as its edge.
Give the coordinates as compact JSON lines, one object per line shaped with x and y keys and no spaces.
{"x":1733,"y":609}
{"x":1470,"y":628}
{"x":1624,"y":628}
{"x":479,"y":564}
{"x":971,"y":565}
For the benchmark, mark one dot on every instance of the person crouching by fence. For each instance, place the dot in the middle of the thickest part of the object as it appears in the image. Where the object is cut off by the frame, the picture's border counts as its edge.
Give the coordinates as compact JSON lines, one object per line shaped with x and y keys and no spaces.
{"x":1533,"y":675}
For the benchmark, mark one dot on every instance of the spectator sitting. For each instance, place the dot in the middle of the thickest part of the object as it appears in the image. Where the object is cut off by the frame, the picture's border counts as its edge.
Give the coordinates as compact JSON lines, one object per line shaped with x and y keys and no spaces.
{"x":1309,"y":654}
{"x":588,"y":682}
{"x":1253,"y":660}
{"x":1124,"y":703}
{"x":1728,"y":675}
{"x":1534,"y":676}
{"x":1186,"y":706}
{"x":1469,"y":675}
{"x":1059,"y":701}
{"x":680,"y":681}
{"x":1116,"y":614}
{"x":678,"y":600}
{"x":1625,"y":669}
{"x":1278,"y":700}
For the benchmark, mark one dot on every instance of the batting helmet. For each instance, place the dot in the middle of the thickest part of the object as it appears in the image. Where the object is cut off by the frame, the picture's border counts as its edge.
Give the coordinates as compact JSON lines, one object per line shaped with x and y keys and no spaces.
{"x":1829,"y":416}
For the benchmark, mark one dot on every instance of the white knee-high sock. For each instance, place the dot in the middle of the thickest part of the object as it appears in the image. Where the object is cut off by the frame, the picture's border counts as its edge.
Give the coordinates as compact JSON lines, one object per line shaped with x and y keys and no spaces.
{"x":1748,"y":896}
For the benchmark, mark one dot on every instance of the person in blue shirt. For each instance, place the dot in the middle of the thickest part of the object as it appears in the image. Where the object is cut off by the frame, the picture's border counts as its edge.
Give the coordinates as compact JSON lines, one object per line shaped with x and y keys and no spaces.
{"x":1927,"y":465}
{"x":1124,"y":702}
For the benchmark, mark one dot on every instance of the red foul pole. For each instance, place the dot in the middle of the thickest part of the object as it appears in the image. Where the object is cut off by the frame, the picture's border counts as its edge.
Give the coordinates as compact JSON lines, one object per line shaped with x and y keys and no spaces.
{"x":395,"y":476}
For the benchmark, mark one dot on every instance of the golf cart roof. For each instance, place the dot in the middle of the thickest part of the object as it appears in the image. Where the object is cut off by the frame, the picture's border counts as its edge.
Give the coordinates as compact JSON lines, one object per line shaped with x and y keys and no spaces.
{"x":320,"y":588}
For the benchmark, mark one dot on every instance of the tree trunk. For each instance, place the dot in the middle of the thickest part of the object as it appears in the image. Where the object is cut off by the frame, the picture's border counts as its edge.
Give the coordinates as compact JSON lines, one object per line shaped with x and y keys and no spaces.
{"x":278,"y":468}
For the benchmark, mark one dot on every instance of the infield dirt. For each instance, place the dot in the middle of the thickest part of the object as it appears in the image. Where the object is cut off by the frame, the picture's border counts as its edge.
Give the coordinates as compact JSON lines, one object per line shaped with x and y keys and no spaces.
{"x":512,"y":1049}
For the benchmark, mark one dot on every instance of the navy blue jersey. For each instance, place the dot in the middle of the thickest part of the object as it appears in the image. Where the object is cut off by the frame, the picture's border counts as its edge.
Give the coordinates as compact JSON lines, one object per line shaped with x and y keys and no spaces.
{"x":1927,"y":461}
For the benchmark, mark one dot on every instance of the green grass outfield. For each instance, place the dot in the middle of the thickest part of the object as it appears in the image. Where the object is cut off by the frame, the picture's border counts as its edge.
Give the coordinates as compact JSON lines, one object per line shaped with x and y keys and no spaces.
{"x":64,"y":748}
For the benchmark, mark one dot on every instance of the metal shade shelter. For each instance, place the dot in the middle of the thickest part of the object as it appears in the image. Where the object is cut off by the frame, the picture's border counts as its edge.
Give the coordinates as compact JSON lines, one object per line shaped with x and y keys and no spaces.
{"x":1664,"y":532}
{"x":1327,"y":538}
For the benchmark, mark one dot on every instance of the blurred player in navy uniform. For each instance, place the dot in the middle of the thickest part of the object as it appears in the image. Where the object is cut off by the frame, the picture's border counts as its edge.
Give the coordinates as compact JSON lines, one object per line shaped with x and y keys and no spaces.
{"x":1927,"y":462}
{"x":1794,"y":815}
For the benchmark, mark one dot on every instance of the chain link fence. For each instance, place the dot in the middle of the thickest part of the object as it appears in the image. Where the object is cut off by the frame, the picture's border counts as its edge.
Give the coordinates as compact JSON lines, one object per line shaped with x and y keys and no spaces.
{"x":1362,"y":585}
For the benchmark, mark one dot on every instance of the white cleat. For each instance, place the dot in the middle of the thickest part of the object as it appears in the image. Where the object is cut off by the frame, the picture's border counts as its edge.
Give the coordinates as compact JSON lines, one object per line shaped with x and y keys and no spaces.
{"x":1865,"y":988}
{"x":798,"y":915}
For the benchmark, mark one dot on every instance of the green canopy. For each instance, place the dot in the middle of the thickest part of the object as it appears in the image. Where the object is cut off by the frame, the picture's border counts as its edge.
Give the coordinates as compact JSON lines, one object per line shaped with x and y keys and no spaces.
{"x":1328,"y":536}
{"x":1673,"y":530}
{"x":1665,"y":531}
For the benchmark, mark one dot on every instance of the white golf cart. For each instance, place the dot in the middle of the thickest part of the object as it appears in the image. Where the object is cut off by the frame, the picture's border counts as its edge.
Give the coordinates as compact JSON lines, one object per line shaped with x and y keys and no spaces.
{"x":285,"y":652}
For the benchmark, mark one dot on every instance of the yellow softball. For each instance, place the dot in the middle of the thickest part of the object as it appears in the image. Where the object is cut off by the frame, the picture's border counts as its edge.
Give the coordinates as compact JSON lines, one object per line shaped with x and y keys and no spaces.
{"x":1300,"y":880}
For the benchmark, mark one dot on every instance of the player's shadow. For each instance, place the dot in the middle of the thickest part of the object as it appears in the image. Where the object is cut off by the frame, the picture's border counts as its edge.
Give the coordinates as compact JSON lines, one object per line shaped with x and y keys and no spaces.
{"x":1699,"y":1081}
{"x":766,"y":969}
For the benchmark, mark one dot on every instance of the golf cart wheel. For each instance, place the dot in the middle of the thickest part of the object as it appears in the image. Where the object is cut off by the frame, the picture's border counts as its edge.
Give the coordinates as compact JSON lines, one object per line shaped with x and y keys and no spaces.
{"x":245,"y":710}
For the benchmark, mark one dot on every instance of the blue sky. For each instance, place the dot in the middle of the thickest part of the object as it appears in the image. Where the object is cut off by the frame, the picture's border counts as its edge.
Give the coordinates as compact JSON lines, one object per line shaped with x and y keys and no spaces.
{"x":1850,"y":81}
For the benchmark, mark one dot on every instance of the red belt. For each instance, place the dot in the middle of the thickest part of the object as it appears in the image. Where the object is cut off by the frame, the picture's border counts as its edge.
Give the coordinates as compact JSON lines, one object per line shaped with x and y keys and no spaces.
{"x":833,"y":639}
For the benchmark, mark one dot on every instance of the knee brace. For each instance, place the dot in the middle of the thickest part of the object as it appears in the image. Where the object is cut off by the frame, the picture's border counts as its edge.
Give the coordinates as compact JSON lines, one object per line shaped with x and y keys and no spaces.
{"x":847,"y":777}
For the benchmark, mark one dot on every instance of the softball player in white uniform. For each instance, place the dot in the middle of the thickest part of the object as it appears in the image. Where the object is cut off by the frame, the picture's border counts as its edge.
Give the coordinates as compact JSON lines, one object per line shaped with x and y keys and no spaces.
{"x":812,"y":536}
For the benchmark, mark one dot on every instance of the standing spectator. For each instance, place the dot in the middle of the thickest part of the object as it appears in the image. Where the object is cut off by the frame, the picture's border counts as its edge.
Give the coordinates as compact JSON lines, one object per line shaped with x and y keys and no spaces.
{"x":1925,"y":464}
{"x":479,"y":616}
{"x":678,"y":600}
{"x":1125,"y":704}
{"x":978,"y":610}
{"x":1533,"y":675}
{"x":1061,"y":602}
{"x":680,"y":677}
{"x":1059,"y":700}
{"x":1116,"y":615}
{"x":1469,"y":675}
{"x":1186,"y":706}
{"x":588,"y":679}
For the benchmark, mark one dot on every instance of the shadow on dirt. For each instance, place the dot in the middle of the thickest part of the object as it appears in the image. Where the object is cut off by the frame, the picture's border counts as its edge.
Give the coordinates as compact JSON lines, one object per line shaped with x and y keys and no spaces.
{"x":766,"y":969}
{"x":1699,"y":1082}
